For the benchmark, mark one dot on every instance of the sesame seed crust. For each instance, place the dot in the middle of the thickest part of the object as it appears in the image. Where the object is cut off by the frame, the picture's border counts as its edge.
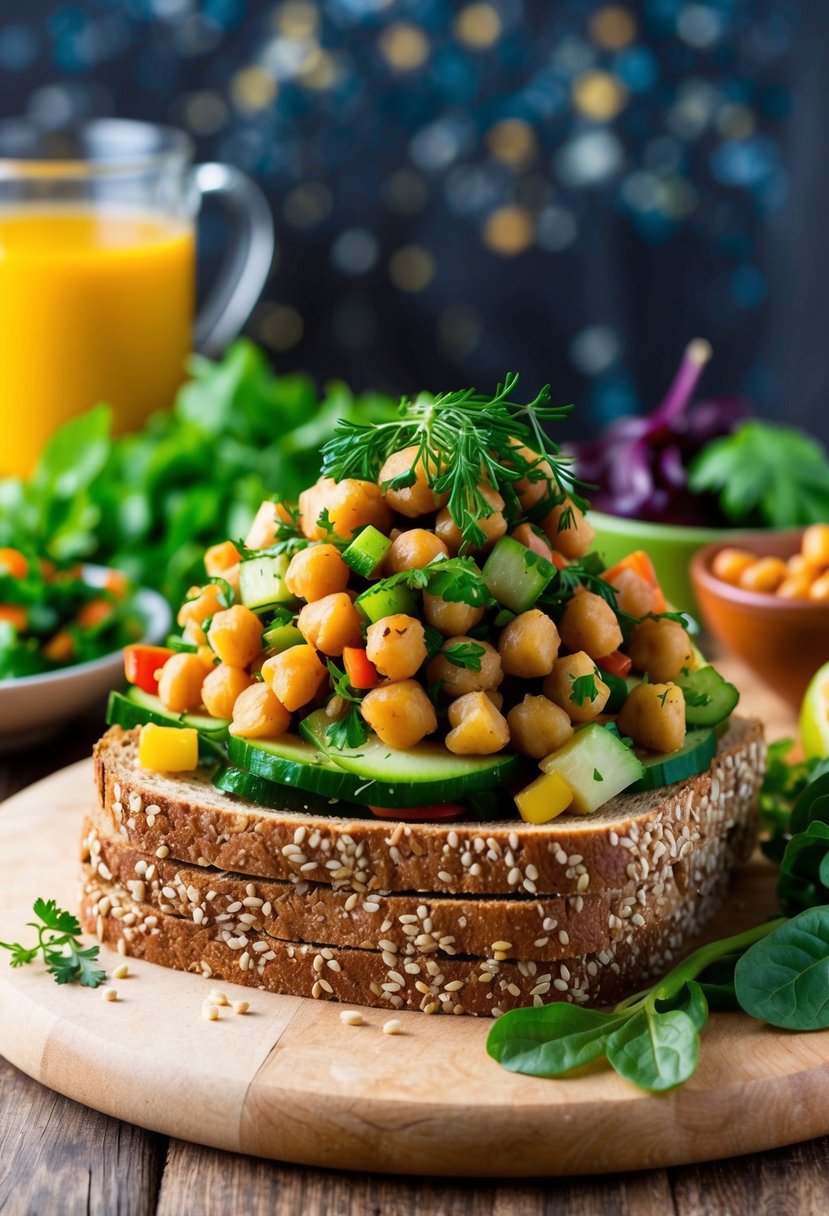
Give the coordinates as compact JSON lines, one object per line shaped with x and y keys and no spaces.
{"x":621,"y":843}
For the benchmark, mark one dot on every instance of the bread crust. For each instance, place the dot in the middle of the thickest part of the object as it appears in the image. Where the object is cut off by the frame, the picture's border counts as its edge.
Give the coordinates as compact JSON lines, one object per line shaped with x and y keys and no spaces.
{"x":622,"y":843}
{"x":408,"y":924}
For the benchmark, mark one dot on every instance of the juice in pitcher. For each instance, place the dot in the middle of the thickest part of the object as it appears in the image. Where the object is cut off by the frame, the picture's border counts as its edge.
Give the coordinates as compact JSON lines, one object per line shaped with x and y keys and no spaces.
{"x":96,"y":304}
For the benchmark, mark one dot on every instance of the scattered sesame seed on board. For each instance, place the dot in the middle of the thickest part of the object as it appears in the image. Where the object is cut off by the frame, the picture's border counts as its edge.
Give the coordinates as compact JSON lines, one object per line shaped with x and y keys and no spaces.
{"x":241,"y":1006}
{"x":121,"y":972}
{"x":352,"y":1017}
{"x":209,"y":1011}
{"x":393,"y":1026}
{"x":109,"y":994}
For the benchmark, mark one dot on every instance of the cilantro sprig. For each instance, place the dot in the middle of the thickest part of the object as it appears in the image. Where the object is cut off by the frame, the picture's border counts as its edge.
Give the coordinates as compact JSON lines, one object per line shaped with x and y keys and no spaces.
{"x":350,"y":730}
{"x":58,"y":941}
{"x":462,"y":440}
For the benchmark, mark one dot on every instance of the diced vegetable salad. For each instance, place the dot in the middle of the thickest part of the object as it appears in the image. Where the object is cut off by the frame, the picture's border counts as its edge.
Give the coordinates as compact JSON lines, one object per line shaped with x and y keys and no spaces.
{"x":53,"y":615}
{"x":427,"y":625}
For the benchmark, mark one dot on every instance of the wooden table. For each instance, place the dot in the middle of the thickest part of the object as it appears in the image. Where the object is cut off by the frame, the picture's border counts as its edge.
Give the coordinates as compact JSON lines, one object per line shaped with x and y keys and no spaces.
{"x":59,"y":1157}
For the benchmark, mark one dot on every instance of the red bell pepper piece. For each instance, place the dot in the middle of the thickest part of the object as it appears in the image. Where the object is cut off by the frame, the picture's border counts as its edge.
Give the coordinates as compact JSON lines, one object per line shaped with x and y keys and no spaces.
{"x":359,"y":668}
{"x":640,"y":562}
{"x":617,"y":664}
{"x":142,"y":665}
{"x":416,"y":814}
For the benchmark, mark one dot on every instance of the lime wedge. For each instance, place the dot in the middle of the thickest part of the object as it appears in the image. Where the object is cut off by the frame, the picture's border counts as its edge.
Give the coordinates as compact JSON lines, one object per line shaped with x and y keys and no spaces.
{"x":814,"y":715}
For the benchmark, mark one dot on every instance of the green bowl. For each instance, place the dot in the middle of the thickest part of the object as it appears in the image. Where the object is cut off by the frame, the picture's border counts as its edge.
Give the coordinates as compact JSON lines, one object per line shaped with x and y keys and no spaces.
{"x":670,"y":546}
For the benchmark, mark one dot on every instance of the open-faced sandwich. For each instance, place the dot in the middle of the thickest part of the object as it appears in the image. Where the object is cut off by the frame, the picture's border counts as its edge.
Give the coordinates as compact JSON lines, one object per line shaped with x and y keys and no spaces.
{"x":415,"y":747}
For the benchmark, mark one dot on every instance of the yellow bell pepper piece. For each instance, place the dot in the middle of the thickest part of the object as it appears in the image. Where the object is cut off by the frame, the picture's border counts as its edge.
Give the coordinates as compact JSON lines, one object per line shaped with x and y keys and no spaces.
{"x":544,"y":798}
{"x":168,"y":749}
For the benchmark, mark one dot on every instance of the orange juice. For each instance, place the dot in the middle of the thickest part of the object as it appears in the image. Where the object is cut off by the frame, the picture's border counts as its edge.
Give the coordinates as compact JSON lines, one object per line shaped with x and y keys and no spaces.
{"x":96,"y":304}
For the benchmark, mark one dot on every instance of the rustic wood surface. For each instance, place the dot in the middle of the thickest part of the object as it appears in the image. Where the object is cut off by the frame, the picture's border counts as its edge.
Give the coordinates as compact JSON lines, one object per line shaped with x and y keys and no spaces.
{"x":57,"y":1156}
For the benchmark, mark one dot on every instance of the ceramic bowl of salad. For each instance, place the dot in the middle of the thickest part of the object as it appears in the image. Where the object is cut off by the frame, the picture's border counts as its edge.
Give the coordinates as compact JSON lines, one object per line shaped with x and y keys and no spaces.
{"x":62,"y":630}
{"x":694,"y":473}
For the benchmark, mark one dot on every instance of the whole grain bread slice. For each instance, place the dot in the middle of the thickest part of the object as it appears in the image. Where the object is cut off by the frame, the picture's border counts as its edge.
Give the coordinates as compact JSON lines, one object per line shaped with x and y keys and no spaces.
{"x":477,"y":986}
{"x":187,"y":818}
{"x":407,"y":925}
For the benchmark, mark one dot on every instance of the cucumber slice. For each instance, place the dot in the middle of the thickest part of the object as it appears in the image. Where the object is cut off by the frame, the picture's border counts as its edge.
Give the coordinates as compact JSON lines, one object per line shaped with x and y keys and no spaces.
{"x":422,"y":775}
{"x":366,"y":551}
{"x":262,"y":582}
{"x":282,"y":797}
{"x":695,"y":756}
{"x":597,"y":766}
{"x":283,"y":637}
{"x":709,"y":698}
{"x":515,"y":575}
{"x":150,"y":705}
{"x":122,"y":711}
{"x":292,"y":761}
{"x":380,"y":601}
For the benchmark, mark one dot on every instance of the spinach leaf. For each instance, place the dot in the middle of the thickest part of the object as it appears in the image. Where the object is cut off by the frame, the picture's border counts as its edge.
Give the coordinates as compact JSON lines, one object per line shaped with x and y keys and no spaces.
{"x":656,"y":1051}
{"x":784,"y":978}
{"x":551,"y":1041}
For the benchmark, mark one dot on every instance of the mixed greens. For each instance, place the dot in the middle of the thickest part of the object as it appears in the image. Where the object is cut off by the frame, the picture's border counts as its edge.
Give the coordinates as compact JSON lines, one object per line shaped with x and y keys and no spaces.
{"x":777,"y":972}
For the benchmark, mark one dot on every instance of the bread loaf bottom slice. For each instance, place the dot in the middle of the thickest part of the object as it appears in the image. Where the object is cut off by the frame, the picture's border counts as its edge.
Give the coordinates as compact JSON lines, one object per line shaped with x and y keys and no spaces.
{"x":187,"y":818}
{"x":460,"y":985}
{"x":408,"y":925}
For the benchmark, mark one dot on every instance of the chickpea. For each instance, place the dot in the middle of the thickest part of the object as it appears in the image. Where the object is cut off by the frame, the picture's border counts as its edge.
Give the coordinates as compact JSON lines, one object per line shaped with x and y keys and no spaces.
{"x":568,"y":533}
{"x":798,"y":564}
{"x":258,"y":714}
{"x":221,"y":687}
{"x":795,"y":587}
{"x":729,"y":564}
{"x":180,"y":683}
{"x":496,"y":697}
{"x":418,"y":498}
{"x":814,"y":544}
{"x":236,"y":635}
{"x":294,"y":676}
{"x":764,"y":575}
{"x":530,"y":538}
{"x":456,"y":680}
{"x":479,"y":729}
{"x":819,"y":589}
{"x":537,"y":727}
{"x":400,"y":714}
{"x":560,"y":687}
{"x":203,"y":603}
{"x":220,"y":558}
{"x":653,"y":715}
{"x":351,"y":504}
{"x":316,"y":571}
{"x":634,"y":594}
{"x":589,"y":623}
{"x":263,"y":530}
{"x":449,"y":616}
{"x":660,"y":648}
{"x":331,"y":623}
{"x":413,"y":550}
{"x":493,"y":526}
{"x":542,"y":484}
{"x":528,"y":645}
{"x":396,"y":646}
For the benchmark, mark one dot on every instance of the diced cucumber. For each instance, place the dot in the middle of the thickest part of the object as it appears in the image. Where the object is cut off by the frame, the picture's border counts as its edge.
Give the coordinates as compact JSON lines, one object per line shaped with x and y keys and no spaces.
{"x":618,"y":691}
{"x":124,"y":712}
{"x":693,"y":757}
{"x":292,"y":761}
{"x":596,"y":765}
{"x":203,"y":723}
{"x":515,"y":575}
{"x":709,"y":698}
{"x":282,"y":797}
{"x":366,"y":551}
{"x":283,"y":637}
{"x":422,"y":775}
{"x":379,"y":602}
{"x":176,"y":642}
{"x":262,"y":582}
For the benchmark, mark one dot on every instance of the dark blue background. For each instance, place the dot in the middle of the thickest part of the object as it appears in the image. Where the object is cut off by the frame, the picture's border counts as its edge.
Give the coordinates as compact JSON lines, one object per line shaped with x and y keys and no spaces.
{"x":572,"y":189}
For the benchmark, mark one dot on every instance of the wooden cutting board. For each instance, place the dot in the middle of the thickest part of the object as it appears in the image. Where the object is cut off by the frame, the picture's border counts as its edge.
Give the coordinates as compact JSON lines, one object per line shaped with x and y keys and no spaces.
{"x":290,"y":1081}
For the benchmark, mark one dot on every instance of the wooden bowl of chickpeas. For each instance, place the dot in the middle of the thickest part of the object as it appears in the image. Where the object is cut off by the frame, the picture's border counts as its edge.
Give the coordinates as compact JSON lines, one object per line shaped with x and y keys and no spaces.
{"x":766,"y":599}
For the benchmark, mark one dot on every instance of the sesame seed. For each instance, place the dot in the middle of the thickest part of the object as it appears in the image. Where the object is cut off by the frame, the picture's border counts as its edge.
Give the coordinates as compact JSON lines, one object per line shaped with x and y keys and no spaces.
{"x":162,"y":851}
{"x":121,"y":972}
{"x":241,"y":1006}
{"x":109,"y":994}
{"x":209,"y":1012}
{"x":393,"y":1026}
{"x":560,"y":985}
{"x":502,"y":945}
{"x":444,"y":876}
{"x":218,"y":998}
{"x":352,"y":1017}
{"x":514,"y":876}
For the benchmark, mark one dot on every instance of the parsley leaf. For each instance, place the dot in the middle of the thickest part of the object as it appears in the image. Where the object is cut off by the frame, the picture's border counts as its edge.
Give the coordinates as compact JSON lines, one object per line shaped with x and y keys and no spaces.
{"x":695,"y":699}
{"x":597,"y":776}
{"x":584,"y":689}
{"x":662,"y":697}
{"x":465,"y":654}
{"x":58,"y":940}
{"x":340,"y":683}
{"x":348,"y":731}
{"x":227,"y":597}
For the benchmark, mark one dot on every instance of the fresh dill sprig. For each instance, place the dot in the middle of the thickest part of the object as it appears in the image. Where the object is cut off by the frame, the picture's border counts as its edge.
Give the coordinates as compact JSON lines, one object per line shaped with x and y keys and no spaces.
{"x":463,"y":441}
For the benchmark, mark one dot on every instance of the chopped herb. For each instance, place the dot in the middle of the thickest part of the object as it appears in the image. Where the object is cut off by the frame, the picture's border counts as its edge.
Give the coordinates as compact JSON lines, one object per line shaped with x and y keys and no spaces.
{"x":227,"y":596}
{"x":662,"y":697}
{"x":455,"y":579}
{"x":58,"y":940}
{"x":433,"y":639}
{"x":503,"y":618}
{"x":696,"y":699}
{"x":349,"y":731}
{"x":340,"y":683}
{"x":324,"y":521}
{"x":584,"y":689}
{"x":597,"y":776}
{"x":465,"y":654}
